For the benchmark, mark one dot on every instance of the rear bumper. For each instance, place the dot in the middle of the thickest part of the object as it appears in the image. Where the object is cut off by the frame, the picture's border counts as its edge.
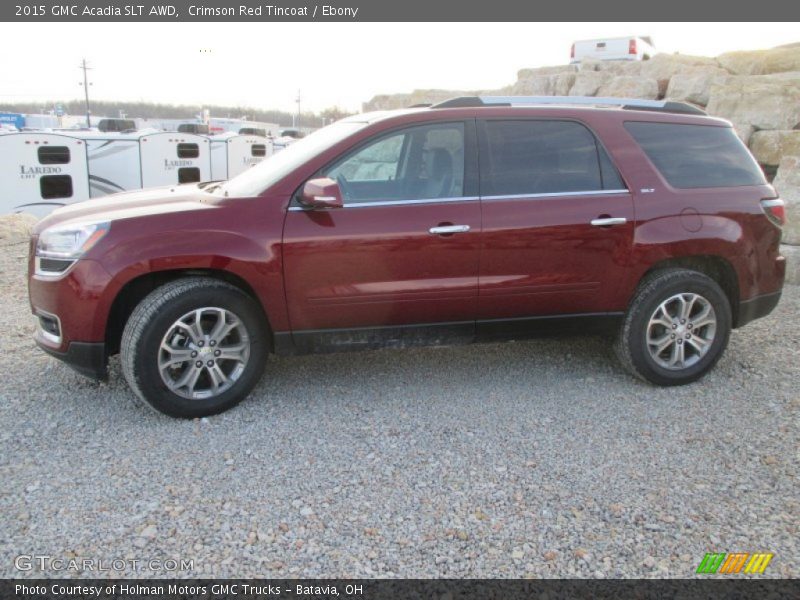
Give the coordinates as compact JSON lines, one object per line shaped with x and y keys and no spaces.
{"x":757,"y":307}
{"x":87,"y":358}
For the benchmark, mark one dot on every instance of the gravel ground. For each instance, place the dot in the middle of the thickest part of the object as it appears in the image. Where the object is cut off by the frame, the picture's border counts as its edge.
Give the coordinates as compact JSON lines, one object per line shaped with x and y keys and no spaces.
{"x":538,"y":459}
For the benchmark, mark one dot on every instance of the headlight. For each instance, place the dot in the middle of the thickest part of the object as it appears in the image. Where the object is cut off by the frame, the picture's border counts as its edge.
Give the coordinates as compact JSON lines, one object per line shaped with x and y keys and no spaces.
{"x":70,"y":242}
{"x":59,"y":247}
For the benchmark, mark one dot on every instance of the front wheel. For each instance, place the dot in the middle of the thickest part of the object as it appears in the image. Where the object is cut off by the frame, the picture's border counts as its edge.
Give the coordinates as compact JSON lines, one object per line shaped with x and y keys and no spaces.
{"x":676,"y":328}
{"x":194,"y":347}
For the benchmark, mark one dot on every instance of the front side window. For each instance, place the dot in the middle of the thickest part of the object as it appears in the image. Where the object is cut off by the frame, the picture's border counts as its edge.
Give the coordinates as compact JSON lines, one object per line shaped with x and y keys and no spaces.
{"x":267,"y":173}
{"x":418,"y":163}
{"x":544,"y":157}
{"x":697,"y":156}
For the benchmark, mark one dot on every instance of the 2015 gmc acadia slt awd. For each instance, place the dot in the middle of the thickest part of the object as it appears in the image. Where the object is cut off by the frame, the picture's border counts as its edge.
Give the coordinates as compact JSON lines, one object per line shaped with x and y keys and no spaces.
{"x":474,"y":219}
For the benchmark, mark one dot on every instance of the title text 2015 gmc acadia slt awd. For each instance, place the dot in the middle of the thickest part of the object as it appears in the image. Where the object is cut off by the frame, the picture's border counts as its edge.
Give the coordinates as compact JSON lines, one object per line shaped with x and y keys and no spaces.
{"x":474,"y":219}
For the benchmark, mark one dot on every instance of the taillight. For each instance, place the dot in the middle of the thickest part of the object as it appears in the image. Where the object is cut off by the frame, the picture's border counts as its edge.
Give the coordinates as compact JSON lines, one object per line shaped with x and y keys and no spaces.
{"x":775,"y":210}
{"x":632,"y":47}
{"x":572,"y":51}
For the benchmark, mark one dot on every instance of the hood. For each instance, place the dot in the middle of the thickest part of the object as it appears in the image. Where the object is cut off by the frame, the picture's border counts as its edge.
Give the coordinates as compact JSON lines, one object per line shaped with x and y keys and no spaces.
{"x":127,"y":205}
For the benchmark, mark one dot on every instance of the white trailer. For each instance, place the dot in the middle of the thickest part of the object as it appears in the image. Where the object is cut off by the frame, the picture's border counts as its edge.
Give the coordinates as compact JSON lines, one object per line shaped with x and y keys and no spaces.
{"x":41,"y":171}
{"x":114,"y":161}
{"x":169,"y":158}
{"x":232,"y":153}
{"x":120,"y":162}
{"x":622,"y":48}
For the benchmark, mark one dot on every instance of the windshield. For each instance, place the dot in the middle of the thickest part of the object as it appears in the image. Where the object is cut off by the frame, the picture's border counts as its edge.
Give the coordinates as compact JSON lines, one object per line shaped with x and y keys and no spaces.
{"x":268,"y":172}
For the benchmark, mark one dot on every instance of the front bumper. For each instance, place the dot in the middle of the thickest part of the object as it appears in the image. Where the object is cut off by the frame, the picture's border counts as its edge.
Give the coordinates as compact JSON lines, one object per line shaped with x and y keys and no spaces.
{"x":757,"y":307}
{"x":76,"y":304}
{"x":87,"y":358}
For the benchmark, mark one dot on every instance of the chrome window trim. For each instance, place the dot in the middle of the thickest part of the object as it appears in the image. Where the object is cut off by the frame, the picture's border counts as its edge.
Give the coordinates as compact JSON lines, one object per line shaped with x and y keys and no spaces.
{"x":556,"y":194}
{"x":472,"y":198}
{"x":397,"y":202}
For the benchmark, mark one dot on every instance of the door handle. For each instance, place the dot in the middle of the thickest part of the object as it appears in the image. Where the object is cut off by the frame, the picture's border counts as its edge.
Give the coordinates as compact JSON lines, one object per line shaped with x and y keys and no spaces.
{"x":608,"y":221}
{"x":445,"y":229}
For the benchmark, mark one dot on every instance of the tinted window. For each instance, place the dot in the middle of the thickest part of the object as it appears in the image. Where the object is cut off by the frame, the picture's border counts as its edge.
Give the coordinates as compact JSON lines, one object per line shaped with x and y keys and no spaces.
{"x":188,"y":175}
{"x":188,"y":151}
{"x":55,"y":186}
{"x":544,"y":157}
{"x":193,"y":128}
{"x":418,"y":163}
{"x":258,"y":150}
{"x":53,"y":155}
{"x":697,"y":156}
{"x":609,"y":173}
{"x":253,"y":131}
{"x":116,"y":125}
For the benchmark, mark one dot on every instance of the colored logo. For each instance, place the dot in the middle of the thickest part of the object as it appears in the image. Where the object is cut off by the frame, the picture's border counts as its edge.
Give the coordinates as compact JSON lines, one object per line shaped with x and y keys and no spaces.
{"x":737,"y":562}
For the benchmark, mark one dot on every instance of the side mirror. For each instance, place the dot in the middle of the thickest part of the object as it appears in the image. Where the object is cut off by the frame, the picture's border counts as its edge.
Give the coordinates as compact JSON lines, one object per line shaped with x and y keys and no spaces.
{"x":322,"y":193}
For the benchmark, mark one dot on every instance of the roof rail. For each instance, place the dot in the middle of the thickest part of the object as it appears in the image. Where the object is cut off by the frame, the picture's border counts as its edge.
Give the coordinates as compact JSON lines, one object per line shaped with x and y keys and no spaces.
{"x":625,"y":103}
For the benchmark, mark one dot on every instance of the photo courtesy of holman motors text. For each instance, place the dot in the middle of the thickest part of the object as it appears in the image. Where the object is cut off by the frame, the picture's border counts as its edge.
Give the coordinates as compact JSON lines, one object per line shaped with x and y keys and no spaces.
{"x":399,"y":300}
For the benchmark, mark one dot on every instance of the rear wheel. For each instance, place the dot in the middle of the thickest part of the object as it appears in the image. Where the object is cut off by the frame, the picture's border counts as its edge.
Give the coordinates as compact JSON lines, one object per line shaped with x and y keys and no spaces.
{"x":676,"y":328}
{"x":194,"y":347}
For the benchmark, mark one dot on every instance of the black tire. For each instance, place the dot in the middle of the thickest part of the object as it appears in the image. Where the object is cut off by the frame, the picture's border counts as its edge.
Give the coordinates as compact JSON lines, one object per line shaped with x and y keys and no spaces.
{"x":153,"y":318}
{"x":631,"y":344}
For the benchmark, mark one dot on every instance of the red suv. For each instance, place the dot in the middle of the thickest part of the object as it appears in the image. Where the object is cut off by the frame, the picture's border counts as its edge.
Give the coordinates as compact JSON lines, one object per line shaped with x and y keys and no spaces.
{"x":475,"y":219}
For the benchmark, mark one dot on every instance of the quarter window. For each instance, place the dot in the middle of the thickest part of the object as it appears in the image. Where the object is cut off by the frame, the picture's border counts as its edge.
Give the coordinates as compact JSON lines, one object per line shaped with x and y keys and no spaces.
{"x":418,"y":163}
{"x":544,"y":157}
{"x":697,"y":156}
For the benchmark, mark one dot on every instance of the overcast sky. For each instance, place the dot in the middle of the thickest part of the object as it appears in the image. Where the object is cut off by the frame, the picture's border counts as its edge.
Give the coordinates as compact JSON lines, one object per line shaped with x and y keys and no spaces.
{"x":334,"y":64}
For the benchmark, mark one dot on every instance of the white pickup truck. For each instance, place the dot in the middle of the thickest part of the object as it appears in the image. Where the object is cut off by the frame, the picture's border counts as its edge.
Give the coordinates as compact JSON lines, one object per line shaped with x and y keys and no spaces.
{"x":622,"y":48}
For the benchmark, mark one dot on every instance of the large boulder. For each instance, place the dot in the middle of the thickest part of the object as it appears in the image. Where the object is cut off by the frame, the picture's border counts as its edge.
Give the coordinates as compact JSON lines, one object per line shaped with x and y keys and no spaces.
{"x":762,"y":62}
{"x":538,"y":71}
{"x":764,"y":102}
{"x":744,"y":130}
{"x":664,"y":66}
{"x":694,"y":84}
{"x":393,"y":101}
{"x":588,"y":82}
{"x":769,"y":147}
{"x":628,"y":86}
{"x":544,"y":85}
{"x":787,"y":184}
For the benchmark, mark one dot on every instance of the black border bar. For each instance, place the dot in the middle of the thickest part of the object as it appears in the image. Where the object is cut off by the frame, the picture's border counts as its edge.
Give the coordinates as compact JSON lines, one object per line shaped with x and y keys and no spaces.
{"x":396,"y":10}
{"x":709,"y":588}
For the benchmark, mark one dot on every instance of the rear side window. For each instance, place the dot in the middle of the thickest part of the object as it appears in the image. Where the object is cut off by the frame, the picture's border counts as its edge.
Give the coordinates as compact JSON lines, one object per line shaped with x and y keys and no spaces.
{"x":188,"y":150}
{"x":53,"y":155}
{"x":544,"y":157}
{"x":55,"y":186}
{"x":697,"y":156}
